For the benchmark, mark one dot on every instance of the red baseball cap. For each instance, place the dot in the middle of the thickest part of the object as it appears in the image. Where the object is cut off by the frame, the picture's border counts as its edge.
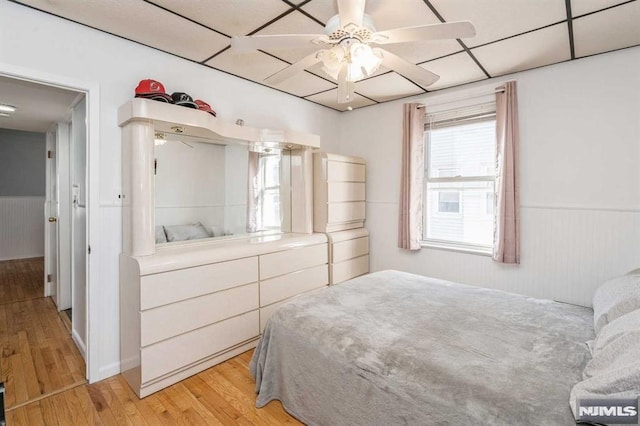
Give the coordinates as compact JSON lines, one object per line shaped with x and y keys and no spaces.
{"x":151,"y":89}
{"x":203,"y":106}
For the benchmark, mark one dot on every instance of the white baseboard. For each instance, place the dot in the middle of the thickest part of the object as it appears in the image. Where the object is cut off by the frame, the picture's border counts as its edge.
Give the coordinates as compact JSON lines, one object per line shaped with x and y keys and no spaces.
{"x":80,"y":344}
{"x":108,"y":371}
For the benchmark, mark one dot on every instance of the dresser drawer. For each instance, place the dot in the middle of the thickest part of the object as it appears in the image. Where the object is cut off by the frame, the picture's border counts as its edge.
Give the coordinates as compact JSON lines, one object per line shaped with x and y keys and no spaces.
{"x":345,"y":191}
{"x":346,"y":212}
{"x":345,"y":172}
{"x":348,"y":269}
{"x":176,"y":353}
{"x":284,"y":262}
{"x":169,"y":287}
{"x":177,"y":318}
{"x":285,"y":286}
{"x":349,"y":249}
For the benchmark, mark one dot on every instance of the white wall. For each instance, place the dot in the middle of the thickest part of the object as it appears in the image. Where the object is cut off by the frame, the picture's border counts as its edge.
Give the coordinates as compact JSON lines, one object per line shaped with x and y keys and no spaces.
{"x":22,"y":187}
{"x":44,"y":43}
{"x":21,"y":227}
{"x":580,"y":181}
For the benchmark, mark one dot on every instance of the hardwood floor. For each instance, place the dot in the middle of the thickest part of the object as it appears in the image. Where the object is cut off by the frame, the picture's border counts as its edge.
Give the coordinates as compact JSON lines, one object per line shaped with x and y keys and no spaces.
{"x":38,"y":356}
{"x":221,"y":395}
{"x":21,"y":279}
{"x":43,"y":373}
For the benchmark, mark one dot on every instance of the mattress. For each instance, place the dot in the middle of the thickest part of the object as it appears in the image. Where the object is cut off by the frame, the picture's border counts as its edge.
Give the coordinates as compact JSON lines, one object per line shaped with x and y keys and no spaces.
{"x":397,"y":348}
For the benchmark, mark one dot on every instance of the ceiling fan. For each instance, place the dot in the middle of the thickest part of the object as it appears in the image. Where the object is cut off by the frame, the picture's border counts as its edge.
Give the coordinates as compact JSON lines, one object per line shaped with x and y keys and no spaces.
{"x":348,"y":49}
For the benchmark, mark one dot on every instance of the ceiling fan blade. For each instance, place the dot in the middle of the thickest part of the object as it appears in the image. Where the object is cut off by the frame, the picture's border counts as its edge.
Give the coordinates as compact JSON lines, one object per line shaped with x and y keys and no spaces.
{"x":285,"y":41}
{"x":422,"y":77}
{"x":351,"y":12}
{"x":460,"y":29}
{"x":294,"y":68}
{"x":346,"y":89}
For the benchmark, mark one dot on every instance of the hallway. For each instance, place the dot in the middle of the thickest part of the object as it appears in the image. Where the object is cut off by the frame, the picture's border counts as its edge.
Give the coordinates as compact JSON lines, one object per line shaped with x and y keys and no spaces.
{"x":38,"y":356}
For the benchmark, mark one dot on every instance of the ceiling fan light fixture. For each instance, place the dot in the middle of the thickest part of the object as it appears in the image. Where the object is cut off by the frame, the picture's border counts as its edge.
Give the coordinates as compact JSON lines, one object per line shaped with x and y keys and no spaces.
{"x":359,"y":59}
{"x":332,"y":60}
{"x":365,"y":59}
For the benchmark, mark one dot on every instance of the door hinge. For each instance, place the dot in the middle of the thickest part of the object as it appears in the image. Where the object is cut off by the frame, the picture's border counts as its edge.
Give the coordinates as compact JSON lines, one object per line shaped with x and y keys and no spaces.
{"x":50,"y":154}
{"x":89,"y":250}
{"x":48,"y":278}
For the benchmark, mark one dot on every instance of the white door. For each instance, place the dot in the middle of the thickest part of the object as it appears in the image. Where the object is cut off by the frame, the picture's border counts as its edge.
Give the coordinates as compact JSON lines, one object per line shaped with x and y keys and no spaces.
{"x":63,"y":292}
{"x":79,"y":246}
{"x":51,"y":219}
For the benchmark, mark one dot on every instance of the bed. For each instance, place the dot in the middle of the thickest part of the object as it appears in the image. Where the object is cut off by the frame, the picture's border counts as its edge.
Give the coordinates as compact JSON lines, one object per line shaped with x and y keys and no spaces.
{"x":396,"y":348}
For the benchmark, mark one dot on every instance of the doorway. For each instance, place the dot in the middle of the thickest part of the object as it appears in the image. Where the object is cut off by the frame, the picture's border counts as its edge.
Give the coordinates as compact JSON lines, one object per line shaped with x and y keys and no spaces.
{"x":42,"y":350}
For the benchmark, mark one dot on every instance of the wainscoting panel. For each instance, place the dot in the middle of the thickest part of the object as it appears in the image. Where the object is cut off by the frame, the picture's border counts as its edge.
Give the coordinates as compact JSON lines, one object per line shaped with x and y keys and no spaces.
{"x":566,"y":252}
{"x":21,"y":227}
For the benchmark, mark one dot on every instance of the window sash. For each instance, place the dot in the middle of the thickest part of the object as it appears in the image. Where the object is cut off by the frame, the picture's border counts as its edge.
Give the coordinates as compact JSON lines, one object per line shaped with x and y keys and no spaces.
{"x":453,"y":118}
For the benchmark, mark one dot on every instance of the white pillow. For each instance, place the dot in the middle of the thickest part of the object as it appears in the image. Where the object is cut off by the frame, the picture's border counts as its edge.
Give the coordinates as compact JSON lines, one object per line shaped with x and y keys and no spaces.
{"x":161,"y":237}
{"x":618,"y":353}
{"x":614,"y":371}
{"x":626,"y":323}
{"x":615,"y":298}
{"x":186,"y":232}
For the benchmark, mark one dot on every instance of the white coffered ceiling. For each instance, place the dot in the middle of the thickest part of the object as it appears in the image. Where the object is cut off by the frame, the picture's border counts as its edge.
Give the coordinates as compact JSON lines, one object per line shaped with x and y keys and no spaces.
{"x":512,"y":36}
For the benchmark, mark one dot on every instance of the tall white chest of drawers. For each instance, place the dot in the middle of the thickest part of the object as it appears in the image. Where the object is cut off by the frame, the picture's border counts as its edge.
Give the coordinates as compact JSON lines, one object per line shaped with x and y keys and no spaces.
{"x":185,"y":309}
{"x":339,"y":208}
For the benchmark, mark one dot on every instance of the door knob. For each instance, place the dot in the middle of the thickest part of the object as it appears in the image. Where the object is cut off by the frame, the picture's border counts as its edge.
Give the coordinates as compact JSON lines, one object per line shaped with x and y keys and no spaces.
{"x":53,"y":219}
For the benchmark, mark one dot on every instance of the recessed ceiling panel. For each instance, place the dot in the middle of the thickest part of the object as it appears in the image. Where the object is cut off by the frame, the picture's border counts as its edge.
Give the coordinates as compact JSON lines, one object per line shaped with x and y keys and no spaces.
{"x":454,"y":70}
{"x":293,"y":23}
{"x":497,"y":19}
{"x":580,"y":7}
{"x":386,"y":14}
{"x":304,"y":84}
{"x":231,"y":17}
{"x":387,"y":87}
{"x":422,"y":51}
{"x":531,"y":50}
{"x":159,"y":28}
{"x":330,"y":99}
{"x":608,"y":30}
{"x":252,"y":65}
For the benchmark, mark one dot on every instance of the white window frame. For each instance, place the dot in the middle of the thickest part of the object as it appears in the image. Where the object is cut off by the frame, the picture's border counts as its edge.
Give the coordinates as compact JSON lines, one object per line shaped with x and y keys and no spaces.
{"x":448,"y":244}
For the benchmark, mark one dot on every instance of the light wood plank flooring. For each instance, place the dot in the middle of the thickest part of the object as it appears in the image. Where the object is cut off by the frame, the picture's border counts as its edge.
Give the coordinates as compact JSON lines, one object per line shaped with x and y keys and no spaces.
{"x":44,"y":376}
{"x":221,"y":395}
{"x":38,"y":356}
{"x":21,"y":280}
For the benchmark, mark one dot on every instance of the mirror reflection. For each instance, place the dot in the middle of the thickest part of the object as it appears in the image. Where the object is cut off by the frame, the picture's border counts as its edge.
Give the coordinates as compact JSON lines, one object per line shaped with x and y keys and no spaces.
{"x":207,"y":190}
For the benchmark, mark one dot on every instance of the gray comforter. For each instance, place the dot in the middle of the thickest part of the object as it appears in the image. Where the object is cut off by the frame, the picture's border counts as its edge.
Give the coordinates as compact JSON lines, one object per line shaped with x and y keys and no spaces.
{"x":396,"y":348}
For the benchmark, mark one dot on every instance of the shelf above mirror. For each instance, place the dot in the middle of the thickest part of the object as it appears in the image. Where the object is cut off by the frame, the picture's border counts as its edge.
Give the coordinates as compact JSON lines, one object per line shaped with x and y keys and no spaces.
{"x":204,"y":126}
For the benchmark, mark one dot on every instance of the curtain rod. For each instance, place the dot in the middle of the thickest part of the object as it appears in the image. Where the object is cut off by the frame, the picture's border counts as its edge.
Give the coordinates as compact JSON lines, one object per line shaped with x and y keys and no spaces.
{"x":498,"y":90}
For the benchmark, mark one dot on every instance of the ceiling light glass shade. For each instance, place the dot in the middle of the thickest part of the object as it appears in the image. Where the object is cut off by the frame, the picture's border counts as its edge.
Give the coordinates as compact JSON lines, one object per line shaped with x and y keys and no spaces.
{"x":332,"y":61}
{"x":359,"y":59}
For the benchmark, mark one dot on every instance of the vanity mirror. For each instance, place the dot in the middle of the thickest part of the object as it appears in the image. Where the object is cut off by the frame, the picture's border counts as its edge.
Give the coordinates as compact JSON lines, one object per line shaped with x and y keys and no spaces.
{"x":216,"y":190}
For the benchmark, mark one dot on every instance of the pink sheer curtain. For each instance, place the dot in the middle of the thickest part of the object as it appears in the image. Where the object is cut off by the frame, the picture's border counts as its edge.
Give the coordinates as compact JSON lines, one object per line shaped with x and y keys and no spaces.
{"x":506,"y":237}
{"x":411,"y":185}
{"x":252,"y":191}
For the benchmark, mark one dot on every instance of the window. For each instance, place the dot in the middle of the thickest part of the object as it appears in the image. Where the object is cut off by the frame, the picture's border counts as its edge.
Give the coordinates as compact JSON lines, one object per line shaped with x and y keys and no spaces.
{"x":449,"y":202}
{"x":460,"y":149}
{"x":269,"y":216}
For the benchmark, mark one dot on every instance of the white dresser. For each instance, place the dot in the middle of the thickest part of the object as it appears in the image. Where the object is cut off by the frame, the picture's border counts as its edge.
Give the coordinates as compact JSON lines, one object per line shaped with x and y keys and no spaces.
{"x":189,"y":307}
{"x":339,"y":210}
